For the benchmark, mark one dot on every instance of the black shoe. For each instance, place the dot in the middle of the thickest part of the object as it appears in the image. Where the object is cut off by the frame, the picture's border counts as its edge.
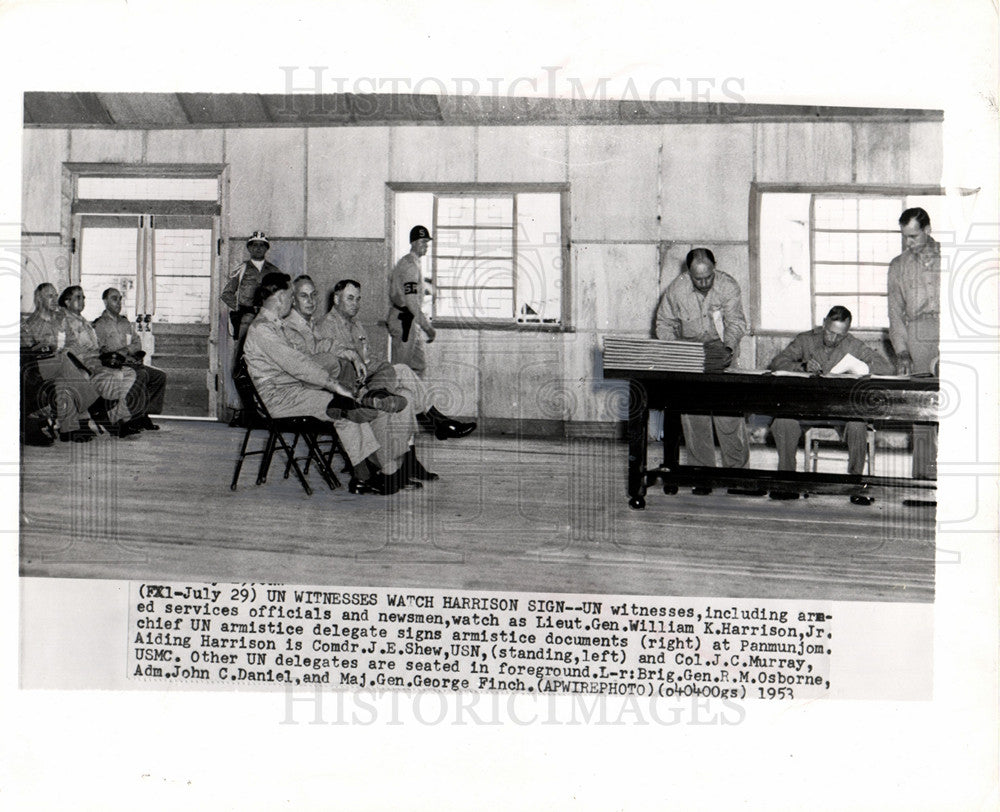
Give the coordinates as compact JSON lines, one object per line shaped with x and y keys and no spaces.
{"x":701,"y":490}
{"x":123,"y":429}
{"x":356,"y":486}
{"x":447,"y":428}
{"x":858,"y":499}
{"x":383,"y":400}
{"x":414,"y":469}
{"x":146,"y":424}
{"x":784,"y":496}
{"x":377,"y":483}
{"x":452,"y":429}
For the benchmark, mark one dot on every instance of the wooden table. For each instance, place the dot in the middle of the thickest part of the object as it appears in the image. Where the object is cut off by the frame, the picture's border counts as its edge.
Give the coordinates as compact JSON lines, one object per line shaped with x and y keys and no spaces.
{"x":876,"y":401}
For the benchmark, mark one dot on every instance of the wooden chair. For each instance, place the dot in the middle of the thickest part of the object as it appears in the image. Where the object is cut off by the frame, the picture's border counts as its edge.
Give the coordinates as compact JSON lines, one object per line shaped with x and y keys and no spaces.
{"x":817,"y":434}
{"x":256,"y":417}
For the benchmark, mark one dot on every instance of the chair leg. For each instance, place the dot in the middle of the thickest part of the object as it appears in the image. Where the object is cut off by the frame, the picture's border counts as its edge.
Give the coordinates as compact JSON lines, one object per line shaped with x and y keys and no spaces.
{"x":325,"y":470}
{"x":265,"y":462}
{"x":239,"y":461}
{"x":291,"y":461}
{"x":288,"y":464}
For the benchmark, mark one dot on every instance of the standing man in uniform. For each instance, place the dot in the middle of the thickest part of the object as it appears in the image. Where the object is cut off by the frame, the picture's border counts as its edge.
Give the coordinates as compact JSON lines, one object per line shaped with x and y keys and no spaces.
{"x":408,"y":324}
{"x":116,"y":334}
{"x":238,"y":294}
{"x":915,"y":319}
{"x":704,"y":304}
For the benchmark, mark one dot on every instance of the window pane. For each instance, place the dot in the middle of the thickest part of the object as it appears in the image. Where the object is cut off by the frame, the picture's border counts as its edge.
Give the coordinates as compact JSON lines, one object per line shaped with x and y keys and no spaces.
{"x":835,"y":212}
{"x":785,"y":262}
{"x":455,"y":211}
{"x":539,"y":258}
{"x":872,"y":313}
{"x":147,"y":189}
{"x":183,"y":275}
{"x":495,"y":211}
{"x":836,"y":279}
{"x":452,"y":272}
{"x":873,"y":279}
{"x":108,"y":260}
{"x":451,"y":242}
{"x":495,"y":243}
{"x":836,"y":246}
{"x":880,"y":248}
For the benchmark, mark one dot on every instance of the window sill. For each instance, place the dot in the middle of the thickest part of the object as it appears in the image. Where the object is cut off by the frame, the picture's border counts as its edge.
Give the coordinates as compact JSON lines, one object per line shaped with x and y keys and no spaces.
{"x":513,"y":327}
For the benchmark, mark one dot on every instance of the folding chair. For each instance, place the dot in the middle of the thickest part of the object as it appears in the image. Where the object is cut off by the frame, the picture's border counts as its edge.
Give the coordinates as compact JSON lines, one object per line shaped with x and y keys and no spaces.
{"x":324,"y":434}
{"x":256,"y":416}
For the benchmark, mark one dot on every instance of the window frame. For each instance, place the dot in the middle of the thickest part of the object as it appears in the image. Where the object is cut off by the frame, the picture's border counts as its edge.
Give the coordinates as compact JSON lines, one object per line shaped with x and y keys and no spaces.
{"x":757,"y":192}
{"x":565,"y":324}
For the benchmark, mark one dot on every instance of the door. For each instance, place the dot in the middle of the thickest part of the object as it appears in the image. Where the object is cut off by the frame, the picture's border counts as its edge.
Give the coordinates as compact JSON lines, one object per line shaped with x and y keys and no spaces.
{"x":164,"y":267}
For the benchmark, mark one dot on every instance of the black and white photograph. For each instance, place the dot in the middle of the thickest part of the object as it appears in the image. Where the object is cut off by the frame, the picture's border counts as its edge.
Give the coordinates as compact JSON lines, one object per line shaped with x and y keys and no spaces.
{"x":651,"y":313}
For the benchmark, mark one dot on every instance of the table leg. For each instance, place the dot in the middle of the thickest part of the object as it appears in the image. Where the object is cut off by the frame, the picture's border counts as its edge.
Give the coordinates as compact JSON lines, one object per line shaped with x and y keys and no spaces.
{"x":671,"y":445}
{"x":638,"y":426}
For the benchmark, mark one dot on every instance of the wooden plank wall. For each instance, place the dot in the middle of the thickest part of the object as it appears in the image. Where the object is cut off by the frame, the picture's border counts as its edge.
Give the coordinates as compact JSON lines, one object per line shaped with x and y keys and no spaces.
{"x":641,"y":197}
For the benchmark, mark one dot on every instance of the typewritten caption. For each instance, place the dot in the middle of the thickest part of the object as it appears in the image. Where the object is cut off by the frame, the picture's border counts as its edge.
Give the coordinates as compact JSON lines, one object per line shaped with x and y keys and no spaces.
{"x":272,"y":636}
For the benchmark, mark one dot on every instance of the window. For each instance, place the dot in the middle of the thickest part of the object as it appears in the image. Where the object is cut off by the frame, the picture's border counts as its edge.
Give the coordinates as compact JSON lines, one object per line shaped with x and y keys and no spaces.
{"x":498,"y":257}
{"x":826,"y":247}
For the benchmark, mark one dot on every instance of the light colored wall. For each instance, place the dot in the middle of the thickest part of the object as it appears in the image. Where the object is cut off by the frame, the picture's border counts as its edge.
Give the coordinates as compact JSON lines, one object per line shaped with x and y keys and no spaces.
{"x":641,"y":196}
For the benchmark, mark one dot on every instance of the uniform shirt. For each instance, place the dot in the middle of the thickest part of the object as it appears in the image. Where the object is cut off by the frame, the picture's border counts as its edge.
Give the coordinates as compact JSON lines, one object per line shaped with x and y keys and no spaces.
{"x":81,"y":340}
{"x":688,"y":315}
{"x":810,"y":347}
{"x":304,"y":335}
{"x":345,"y":333}
{"x":914,"y":290}
{"x":36,"y":329}
{"x":243,"y":283}
{"x":288,"y":380}
{"x":406,"y":289}
{"x":116,"y":334}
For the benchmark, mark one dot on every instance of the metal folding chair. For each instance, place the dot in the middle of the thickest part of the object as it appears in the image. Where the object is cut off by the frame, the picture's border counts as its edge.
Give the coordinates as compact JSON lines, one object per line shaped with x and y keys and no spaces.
{"x":257,"y":417}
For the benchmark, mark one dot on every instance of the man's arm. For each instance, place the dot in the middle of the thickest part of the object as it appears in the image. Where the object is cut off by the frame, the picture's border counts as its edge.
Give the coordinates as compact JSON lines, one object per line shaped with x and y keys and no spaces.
{"x":228,"y":295}
{"x":790,"y":359}
{"x":734,"y":321}
{"x":271,"y":343}
{"x":668,"y":326}
{"x":897,"y":309}
{"x":877,"y":365}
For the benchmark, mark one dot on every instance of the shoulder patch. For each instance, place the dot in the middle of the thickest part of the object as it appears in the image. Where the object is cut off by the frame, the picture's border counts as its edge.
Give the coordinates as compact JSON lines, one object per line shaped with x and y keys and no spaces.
{"x":411,"y":288}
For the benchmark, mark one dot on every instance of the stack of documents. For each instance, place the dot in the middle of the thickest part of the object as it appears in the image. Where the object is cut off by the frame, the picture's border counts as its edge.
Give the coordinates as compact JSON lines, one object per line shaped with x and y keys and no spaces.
{"x":654,"y":355}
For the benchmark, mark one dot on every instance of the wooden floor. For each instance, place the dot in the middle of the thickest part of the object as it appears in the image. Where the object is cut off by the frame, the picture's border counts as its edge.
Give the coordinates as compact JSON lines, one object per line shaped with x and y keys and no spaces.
{"x":508,"y":513}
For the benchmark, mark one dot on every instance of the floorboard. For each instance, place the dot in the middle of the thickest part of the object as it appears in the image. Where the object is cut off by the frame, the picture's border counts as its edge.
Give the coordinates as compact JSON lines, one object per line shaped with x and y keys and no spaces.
{"x":507,"y":513}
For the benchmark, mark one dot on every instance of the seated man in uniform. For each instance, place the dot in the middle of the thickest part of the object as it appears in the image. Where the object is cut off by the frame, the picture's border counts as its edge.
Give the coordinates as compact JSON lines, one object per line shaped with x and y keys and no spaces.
{"x":292,"y":384}
{"x":393,"y":431}
{"x":63,"y":385}
{"x":117,"y":335}
{"x":343,"y":329}
{"x":113,"y":380}
{"x":818,"y":351}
